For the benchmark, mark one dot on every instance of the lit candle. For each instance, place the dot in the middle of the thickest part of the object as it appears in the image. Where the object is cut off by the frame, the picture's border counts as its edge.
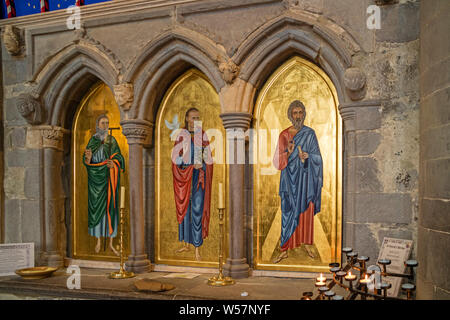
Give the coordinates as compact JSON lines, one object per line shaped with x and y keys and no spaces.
{"x":350,"y":276}
{"x":122,"y":197}
{"x":365,"y":281}
{"x":321,"y":278}
{"x":221,"y":204}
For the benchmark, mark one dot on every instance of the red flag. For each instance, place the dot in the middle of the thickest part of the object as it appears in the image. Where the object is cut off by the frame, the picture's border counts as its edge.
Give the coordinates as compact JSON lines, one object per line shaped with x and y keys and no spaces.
{"x":44,"y":5}
{"x":10,"y":8}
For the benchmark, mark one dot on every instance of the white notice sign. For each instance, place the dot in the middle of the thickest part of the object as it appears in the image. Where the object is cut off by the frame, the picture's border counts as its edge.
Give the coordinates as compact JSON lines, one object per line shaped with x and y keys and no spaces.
{"x":398,"y":251}
{"x":15,"y":256}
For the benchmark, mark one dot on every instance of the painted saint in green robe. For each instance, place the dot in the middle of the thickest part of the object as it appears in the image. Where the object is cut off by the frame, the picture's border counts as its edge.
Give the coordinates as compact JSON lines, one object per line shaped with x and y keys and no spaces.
{"x":103,"y":161}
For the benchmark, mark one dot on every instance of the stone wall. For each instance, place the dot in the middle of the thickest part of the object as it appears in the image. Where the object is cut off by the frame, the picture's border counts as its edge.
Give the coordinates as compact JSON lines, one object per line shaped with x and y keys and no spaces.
{"x":386,"y":140}
{"x":382,"y":136}
{"x":434,"y":209}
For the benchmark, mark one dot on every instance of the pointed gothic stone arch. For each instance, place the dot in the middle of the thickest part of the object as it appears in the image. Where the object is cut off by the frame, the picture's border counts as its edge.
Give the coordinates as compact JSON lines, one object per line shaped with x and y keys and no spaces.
{"x":54,"y":94}
{"x":296,"y":33}
{"x":163,"y":60}
{"x":64,"y":79}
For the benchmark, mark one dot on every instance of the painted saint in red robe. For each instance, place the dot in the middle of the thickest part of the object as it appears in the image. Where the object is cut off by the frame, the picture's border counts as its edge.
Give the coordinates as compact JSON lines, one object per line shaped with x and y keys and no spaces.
{"x":298,"y":157}
{"x":192,"y":170}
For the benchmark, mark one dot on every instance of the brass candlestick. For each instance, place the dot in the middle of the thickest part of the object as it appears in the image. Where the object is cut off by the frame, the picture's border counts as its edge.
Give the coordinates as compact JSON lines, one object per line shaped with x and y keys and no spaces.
{"x":220,"y":280}
{"x":121,"y":274}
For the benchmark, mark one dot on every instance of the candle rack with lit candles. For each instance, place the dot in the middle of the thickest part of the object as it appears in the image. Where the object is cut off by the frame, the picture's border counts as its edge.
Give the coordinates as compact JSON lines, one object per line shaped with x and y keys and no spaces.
{"x":363,"y":284}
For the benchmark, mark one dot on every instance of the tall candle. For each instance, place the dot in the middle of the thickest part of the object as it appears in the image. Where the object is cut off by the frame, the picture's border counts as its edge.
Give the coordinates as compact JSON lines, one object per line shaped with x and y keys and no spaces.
{"x":221,"y":204}
{"x":122,"y":197}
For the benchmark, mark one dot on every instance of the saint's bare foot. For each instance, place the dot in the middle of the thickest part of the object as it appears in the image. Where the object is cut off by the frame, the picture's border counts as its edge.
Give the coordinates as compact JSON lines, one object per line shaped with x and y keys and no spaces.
{"x":97,"y":247}
{"x":183,"y":249}
{"x":197,"y":254}
{"x":310,"y":252}
{"x":283,"y":255}
{"x":112,"y":248}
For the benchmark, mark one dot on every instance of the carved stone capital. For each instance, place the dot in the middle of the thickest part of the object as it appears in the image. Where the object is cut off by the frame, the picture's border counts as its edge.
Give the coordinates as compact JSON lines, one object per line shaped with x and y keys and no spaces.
{"x":30,"y":108}
{"x":228,"y":69}
{"x":236,"y":120}
{"x":12,"y":40}
{"x":348,"y":114}
{"x":355,"y":83}
{"x":137,"y":131}
{"x":361,"y":115}
{"x":124,"y":94}
{"x":39,"y":137}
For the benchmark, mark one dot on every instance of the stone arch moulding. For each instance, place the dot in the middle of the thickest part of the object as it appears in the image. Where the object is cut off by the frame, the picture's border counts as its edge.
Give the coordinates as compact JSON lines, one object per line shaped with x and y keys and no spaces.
{"x":163,"y":60}
{"x":48,"y":104}
{"x":330,"y":47}
{"x":67,"y":75}
{"x":295,"y":33}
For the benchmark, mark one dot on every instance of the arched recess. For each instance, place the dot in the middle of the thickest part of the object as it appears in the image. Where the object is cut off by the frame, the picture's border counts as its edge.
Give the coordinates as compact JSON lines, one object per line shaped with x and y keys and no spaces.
{"x":298,"y":79}
{"x":59,"y":86}
{"x":320,"y":41}
{"x":98,"y":101}
{"x":166,"y":58}
{"x":191,"y":89}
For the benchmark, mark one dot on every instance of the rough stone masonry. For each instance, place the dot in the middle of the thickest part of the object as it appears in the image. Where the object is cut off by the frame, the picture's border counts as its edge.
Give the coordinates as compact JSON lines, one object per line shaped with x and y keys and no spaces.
{"x":396,"y":135}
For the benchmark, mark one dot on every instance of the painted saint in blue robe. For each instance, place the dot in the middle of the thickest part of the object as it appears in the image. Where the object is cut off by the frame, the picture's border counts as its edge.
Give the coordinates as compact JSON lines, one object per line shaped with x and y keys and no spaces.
{"x":301,"y":180}
{"x":192,"y":170}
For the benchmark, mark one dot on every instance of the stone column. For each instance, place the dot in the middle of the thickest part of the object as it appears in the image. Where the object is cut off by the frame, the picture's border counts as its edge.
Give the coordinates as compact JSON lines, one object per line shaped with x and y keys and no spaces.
{"x":348,"y":115}
{"x":360,"y":180}
{"x":138,"y":133}
{"x":236,"y":124}
{"x":50,"y":142}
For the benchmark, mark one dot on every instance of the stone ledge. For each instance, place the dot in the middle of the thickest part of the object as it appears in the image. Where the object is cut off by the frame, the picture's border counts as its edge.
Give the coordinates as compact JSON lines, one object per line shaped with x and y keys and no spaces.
{"x":96,"y":285}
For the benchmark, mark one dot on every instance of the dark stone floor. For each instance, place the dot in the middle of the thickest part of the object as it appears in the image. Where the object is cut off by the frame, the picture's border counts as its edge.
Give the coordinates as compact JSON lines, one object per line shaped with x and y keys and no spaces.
{"x":95,"y":284}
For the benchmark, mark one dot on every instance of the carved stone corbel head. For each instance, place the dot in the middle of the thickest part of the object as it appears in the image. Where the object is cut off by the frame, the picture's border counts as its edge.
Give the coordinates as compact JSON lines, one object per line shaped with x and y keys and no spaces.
{"x":124,"y":94}
{"x":355,"y":83}
{"x":11,"y":40}
{"x":228,"y":69}
{"x":30,"y":108}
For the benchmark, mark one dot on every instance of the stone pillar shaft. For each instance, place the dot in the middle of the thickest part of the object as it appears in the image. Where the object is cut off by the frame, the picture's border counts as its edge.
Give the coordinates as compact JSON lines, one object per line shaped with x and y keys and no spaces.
{"x":50,"y":141}
{"x":137,"y":133}
{"x":236,"y":265}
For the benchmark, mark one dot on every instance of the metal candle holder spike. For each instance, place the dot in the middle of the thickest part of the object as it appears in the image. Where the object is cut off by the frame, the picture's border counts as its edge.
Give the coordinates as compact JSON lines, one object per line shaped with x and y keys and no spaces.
{"x":359,"y":287}
{"x":121,"y":274}
{"x":220,"y":280}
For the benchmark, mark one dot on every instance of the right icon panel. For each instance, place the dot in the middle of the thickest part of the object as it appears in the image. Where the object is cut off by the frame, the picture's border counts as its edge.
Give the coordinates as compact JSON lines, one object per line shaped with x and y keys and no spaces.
{"x":297,"y":170}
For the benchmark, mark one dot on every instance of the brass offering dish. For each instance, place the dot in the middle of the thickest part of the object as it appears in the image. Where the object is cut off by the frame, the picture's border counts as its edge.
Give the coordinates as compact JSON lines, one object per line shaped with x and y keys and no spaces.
{"x":36,"y":272}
